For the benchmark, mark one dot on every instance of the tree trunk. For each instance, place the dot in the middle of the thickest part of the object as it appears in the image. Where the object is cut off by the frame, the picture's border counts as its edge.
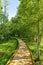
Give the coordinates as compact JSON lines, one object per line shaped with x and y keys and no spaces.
{"x":38,"y":41}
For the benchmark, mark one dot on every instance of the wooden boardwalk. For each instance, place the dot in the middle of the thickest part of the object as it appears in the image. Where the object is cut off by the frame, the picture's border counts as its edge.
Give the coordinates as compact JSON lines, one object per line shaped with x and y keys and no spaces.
{"x":22,"y":55}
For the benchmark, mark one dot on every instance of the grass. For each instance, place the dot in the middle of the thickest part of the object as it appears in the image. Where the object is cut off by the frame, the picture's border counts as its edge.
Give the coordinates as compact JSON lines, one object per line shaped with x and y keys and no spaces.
{"x":33,"y":48}
{"x":7,"y":48}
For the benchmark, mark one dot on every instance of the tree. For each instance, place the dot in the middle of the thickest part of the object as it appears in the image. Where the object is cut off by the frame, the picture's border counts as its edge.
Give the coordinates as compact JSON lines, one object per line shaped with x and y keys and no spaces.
{"x":39,"y":29}
{"x":3,"y":11}
{"x":3,"y":18}
{"x":5,"y":14}
{"x":31,"y":12}
{"x":0,"y":11}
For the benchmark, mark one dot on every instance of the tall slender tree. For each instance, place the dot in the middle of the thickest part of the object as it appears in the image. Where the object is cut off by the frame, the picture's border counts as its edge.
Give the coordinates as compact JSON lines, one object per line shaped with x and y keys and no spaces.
{"x":5,"y":15}
{"x":5,"y":7}
{"x":39,"y":33}
{"x":0,"y":6}
{"x":0,"y":11}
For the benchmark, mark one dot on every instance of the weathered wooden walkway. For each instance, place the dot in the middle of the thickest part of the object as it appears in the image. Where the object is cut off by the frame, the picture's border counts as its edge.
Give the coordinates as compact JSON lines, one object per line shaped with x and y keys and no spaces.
{"x":22,"y":55}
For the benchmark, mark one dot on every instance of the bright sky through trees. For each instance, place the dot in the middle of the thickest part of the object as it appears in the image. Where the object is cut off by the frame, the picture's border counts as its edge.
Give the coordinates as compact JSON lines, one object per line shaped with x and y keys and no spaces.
{"x":12,"y":8}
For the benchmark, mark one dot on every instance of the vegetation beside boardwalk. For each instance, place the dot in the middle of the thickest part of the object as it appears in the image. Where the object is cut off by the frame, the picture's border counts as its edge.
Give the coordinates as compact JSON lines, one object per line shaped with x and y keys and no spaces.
{"x":33,"y":48}
{"x":7,"y":48}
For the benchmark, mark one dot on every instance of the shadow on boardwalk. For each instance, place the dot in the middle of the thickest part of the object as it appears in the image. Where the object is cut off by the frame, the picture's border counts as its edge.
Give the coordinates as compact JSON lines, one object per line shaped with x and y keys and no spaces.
{"x":22,"y":55}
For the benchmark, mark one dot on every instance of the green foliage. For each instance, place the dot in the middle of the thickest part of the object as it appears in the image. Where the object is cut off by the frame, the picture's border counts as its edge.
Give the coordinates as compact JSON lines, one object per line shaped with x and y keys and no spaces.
{"x":33,"y":48}
{"x":29,"y":13}
{"x":7,"y":48}
{"x":25,"y":23}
